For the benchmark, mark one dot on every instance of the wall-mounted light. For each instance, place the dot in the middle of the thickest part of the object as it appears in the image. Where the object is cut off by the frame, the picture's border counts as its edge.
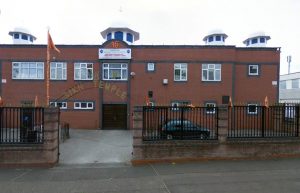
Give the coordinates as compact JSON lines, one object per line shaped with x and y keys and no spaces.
{"x":132,"y":74}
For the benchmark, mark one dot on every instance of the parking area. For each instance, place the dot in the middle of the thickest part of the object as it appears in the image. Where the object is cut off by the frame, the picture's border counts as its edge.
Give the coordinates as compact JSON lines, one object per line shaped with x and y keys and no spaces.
{"x":96,"y":146}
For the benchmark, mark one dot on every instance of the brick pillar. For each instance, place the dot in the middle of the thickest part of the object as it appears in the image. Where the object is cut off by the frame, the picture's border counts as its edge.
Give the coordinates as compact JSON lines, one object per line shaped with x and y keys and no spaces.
{"x":51,"y":141}
{"x":137,"y":131}
{"x":222,"y":123}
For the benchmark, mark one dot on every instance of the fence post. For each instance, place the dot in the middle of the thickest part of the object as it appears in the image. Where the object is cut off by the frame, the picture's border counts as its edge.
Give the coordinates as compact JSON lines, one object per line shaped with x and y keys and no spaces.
{"x":263,"y":119}
{"x":222,"y":123}
{"x":137,"y":131}
{"x":298,"y":120}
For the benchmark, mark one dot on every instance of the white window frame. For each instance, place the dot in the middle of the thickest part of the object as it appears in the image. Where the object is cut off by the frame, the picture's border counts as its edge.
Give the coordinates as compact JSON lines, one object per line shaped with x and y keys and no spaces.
{"x":54,"y":66}
{"x":252,"y":113}
{"x":22,"y":66}
{"x":215,"y":68}
{"x":183,"y":67}
{"x":257,"y":70}
{"x":89,"y":105}
{"x":150,"y":67}
{"x":81,"y":68}
{"x":123,"y":67}
{"x":208,"y":105}
{"x":176,"y":104}
{"x":63,"y":106}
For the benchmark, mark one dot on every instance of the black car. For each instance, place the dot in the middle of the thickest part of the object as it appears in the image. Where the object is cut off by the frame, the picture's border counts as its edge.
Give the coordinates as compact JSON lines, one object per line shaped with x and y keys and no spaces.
{"x":184,"y":129}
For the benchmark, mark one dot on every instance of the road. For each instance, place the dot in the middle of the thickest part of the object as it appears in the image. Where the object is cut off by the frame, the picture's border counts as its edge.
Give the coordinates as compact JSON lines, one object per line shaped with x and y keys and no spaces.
{"x":242,"y":176}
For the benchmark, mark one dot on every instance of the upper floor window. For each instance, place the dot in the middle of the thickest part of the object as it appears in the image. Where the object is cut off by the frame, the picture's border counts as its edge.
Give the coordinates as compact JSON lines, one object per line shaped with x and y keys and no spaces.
{"x":282,"y":84}
{"x":262,"y":40}
{"x":61,"y":105}
{"x":108,"y":36}
{"x":211,"y":72}
{"x":180,"y":72}
{"x":295,"y":83}
{"x":129,"y":37}
{"x":150,"y":67}
{"x":83,"y":105}
{"x":218,"y":38}
{"x":115,"y":71}
{"x":31,"y":39}
{"x":119,"y":35}
{"x":211,"y":38}
{"x":83,"y":71}
{"x":253,"y":70}
{"x":58,"y":71}
{"x":16,"y":36}
{"x":27,"y":70}
{"x":24,"y":37}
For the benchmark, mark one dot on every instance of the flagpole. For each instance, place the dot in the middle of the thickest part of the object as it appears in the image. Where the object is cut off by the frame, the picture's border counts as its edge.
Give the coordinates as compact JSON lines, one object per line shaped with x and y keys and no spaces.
{"x":48,"y":73}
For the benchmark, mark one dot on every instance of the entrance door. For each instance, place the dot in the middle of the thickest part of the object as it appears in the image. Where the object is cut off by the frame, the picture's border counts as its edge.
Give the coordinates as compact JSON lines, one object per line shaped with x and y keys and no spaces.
{"x":114,"y":116}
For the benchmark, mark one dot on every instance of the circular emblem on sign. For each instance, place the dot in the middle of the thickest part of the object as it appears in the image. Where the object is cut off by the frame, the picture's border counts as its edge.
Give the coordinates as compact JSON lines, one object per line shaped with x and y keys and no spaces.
{"x":128,"y":51}
{"x":101,"y":51}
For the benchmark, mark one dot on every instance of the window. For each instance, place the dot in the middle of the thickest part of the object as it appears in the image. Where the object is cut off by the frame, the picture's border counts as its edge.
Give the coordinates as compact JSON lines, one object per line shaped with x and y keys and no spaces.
{"x":83,"y":71}
{"x":180,"y":72}
{"x":253,"y":70}
{"x":254,"y":41}
{"x":211,"y":72}
{"x":129,"y":37}
{"x":262,"y":40}
{"x":282,"y":84}
{"x":150,"y":67}
{"x":252,"y":109}
{"x":218,"y":38}
{"x":83,"y":105}
{"x":61,"y":105}
{"x":58,"y":71}
{"x":247,"y":42}
{"x":295,"y":83}
{"x":119,"y":35}
{"x":108,"y":36}
{"x":210,"y":108}
{"x":115,"y":72}
{"x":27,"y":70}
{"x":210,"y":39}
{"x":16,"y":36}
{"x":24,"y":37}
{"x":177,"y":104}
{"x":31,"y":38}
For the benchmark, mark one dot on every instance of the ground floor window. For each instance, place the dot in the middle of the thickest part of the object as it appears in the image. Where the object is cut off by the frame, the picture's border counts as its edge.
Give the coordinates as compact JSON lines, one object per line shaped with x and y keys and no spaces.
{"x":252,"y":109}
{"x":61,"y":105}
{"x":210,"y":108}
{"x":83,"y":105}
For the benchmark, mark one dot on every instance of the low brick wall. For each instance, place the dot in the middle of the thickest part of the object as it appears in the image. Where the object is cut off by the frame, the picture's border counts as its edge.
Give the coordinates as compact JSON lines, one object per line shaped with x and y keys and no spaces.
{"x":35,"y":155}
{"x":223,"y":148}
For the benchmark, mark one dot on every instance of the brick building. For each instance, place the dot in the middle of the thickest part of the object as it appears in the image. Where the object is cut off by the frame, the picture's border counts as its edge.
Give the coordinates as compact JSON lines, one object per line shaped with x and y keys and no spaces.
{"x":97,"y":86}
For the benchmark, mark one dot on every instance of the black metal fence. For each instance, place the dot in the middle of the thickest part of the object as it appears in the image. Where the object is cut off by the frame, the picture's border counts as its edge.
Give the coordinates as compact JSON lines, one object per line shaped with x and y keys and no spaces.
{"x":180,"y":123}
{"x":21,"y":125}
{"x":263,"y":122}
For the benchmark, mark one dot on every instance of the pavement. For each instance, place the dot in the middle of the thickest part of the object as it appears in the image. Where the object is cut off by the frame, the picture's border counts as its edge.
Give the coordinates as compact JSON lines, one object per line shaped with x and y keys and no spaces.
{"x":243,"y":176}
{"x":96,"y":146}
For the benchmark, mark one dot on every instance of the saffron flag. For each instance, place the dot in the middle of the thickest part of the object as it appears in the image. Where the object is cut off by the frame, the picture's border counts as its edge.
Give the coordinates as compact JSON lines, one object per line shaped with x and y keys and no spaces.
{"x":51,"y":44}
{"x":147,"y":101}
{"x":266,"y":102}
{"x":1,"y":101}
{"x":230,"y":102}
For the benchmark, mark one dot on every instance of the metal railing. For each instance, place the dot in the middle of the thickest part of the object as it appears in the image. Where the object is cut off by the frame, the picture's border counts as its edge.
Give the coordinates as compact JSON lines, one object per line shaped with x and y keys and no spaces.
{"x":21,"y":125}
{"x":179,"y":123}
{"x":263,"y":122}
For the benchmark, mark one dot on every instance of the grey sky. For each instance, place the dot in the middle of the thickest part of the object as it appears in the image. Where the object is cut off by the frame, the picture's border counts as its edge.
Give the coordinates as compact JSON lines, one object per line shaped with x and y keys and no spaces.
{"x":158,"y":21}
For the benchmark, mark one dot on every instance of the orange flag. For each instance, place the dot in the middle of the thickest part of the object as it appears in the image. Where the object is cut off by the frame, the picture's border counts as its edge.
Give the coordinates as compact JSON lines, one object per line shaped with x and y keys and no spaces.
{"x":1,"y":101}
{"x":230,"y":102}
{"x":51,"y":45}
{"x":36,"y":102}
{"x":147,"y":101}
{"x":266,"y":102}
